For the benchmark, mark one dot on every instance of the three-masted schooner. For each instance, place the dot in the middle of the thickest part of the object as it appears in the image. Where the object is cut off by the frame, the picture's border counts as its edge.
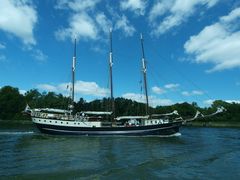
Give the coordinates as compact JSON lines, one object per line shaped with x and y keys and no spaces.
{"x":59,"y":121}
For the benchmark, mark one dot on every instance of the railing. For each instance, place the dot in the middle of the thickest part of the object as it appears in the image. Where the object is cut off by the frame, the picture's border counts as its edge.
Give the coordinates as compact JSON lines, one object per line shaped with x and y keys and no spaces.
{"x":52,"y":116}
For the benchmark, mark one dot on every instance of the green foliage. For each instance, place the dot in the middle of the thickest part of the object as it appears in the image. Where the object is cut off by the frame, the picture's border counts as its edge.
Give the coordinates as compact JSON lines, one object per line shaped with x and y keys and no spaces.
{"x":51,"y":100}
{"x":12,"y":103}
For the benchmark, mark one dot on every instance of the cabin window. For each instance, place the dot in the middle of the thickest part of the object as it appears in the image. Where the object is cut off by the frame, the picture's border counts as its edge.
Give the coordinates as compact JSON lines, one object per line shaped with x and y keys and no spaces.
{"x":39,"y":120}
{"x":155,"y":122}
{"x":151,"y":122}
{"x":50,"y":121}
{"x":74,"y":123}
{"x":67,"y":122}
{"x":78,"y":123}
{"x":61,"y":122}
{"x":55,"y":121}
{"x":44,"y":120}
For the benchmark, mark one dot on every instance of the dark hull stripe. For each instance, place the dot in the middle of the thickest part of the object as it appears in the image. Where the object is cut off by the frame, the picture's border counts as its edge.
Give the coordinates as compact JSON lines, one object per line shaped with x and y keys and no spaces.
{"x":163,"y":129}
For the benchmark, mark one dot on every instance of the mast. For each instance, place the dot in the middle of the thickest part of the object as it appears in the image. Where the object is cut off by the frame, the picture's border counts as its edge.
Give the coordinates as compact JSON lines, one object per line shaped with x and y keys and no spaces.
{"x":144,"y":69}
{"x":110,"y":75}
{"x":73,"y":72}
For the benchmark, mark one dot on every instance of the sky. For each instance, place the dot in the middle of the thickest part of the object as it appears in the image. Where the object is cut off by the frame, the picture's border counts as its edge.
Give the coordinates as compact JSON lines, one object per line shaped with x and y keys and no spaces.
{"x":192,"y":48}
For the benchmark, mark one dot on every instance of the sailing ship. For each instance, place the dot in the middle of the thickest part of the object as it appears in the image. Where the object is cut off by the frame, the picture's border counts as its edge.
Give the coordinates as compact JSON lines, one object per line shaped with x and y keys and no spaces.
{"x":66,"y":122}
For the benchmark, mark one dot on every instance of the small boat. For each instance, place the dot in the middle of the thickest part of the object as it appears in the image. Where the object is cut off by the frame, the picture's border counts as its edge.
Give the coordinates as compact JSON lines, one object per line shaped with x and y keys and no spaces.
{"x":65,"y":122}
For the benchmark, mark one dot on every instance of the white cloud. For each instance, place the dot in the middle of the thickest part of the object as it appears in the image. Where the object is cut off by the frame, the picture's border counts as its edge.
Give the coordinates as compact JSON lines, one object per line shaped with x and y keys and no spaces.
{"x":21,"y":91}
{"x":18,"y":18}
{"x":160,"y":102}
{"x":83,"y":23}
{"x":167,"y":87}
{"x":171,"y":86}
{"x":77,"y":5}
{"x":218,"y":43}
{"x":208,"y":102}
{"x":158,"y":90}
{"x":86,"y":22}
{"x":166,"y":15}
{"x":153,"y":100}
{"x":90,"y":88}
{"x":103,"y":22}
{"x":137,"y":6}
{"x":2,"y":46}
{"x":233,"y":101}
{"x":159,"y":9}
{"x":47,"y":87}
{"x":192,"y":93}
{"x":185,"y":93}
{"x":39,"y":55}
{"x":195,"y":92}
{"x":134,"y":96}
{"x":231,"y":16}
{"x":123,"y":24}
{"x":81,"y":26}
{"x":81,"y":87}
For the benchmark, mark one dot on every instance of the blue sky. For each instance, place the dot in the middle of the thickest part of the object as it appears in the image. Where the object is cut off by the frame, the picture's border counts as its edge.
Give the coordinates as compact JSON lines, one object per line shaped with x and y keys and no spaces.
{"x":192,"y":48}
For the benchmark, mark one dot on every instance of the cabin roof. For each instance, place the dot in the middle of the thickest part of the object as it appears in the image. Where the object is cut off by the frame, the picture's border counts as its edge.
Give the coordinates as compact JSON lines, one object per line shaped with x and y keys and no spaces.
{"x":131,"y":117}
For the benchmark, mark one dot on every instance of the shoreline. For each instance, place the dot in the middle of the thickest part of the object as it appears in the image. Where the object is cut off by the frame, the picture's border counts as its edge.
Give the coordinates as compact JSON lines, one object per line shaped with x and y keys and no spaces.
{"x":18,"y":124}
{"x":213,"y":124}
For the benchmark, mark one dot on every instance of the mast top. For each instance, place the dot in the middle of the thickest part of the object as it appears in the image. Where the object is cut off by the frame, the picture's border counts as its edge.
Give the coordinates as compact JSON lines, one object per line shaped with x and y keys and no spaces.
{"x":110,"y":40}
{"x":74,"y":53}
{"x":143,"y":54}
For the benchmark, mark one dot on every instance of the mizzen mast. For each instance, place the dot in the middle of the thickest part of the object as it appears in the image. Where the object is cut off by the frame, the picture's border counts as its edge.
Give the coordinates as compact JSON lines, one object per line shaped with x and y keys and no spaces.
{"x":144,"y":70}
{"x":110,"y":75}
{"x":73,"y":72}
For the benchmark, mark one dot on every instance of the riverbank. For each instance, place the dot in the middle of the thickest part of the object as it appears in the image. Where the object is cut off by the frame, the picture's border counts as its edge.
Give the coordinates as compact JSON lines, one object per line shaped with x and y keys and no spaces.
{"x":16,"y":124}
{"x":214,"y":124}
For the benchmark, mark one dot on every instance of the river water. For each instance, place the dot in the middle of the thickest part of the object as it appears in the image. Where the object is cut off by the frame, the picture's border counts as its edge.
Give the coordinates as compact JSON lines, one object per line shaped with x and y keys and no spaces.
{"x":198,"y":153}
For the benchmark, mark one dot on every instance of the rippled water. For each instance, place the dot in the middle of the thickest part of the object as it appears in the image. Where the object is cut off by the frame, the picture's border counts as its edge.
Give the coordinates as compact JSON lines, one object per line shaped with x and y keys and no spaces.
{"x":199,"y":153}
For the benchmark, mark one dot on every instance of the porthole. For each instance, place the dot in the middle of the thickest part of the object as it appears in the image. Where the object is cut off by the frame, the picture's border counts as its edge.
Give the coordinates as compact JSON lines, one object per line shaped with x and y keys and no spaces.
{"x":50,"y":121}
{"x":44,"y":120}
{"x":55,"y":121}
{"x":67,"y":122}
{"x":61,"y":122}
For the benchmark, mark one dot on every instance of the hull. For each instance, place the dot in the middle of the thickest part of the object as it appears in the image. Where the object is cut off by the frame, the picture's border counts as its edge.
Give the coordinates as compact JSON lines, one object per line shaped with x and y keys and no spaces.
{"x":160,"y":129}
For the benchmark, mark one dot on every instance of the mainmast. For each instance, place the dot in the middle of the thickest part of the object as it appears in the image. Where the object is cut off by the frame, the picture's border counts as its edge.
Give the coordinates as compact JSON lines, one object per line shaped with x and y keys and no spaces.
{"x":144,"y":69}
{"x":110,"y":75}
{"x":73,"y":72}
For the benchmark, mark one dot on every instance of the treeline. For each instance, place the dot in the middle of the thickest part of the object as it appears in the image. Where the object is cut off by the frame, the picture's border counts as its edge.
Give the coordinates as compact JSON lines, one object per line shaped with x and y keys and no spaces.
{"x":12,"y":103}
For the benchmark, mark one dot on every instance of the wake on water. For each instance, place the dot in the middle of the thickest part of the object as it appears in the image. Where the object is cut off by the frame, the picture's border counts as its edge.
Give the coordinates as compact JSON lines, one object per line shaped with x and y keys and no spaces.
{"x":16,"y":132}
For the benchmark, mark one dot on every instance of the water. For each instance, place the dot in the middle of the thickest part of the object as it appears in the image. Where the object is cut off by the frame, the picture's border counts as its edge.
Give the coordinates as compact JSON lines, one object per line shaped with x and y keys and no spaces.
{"x":199,"y":153}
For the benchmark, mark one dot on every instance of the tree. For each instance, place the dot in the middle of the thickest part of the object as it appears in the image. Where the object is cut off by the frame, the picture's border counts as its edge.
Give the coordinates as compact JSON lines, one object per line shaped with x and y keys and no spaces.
{"x":12,"y":103}
{"x":33,"y":97}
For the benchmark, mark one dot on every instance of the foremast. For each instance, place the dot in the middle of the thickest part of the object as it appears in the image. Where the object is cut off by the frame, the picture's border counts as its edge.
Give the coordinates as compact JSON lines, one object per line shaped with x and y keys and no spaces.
{"x":110,"y":76}
{"x":144,"y":70}
{"x":73,"y":75}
